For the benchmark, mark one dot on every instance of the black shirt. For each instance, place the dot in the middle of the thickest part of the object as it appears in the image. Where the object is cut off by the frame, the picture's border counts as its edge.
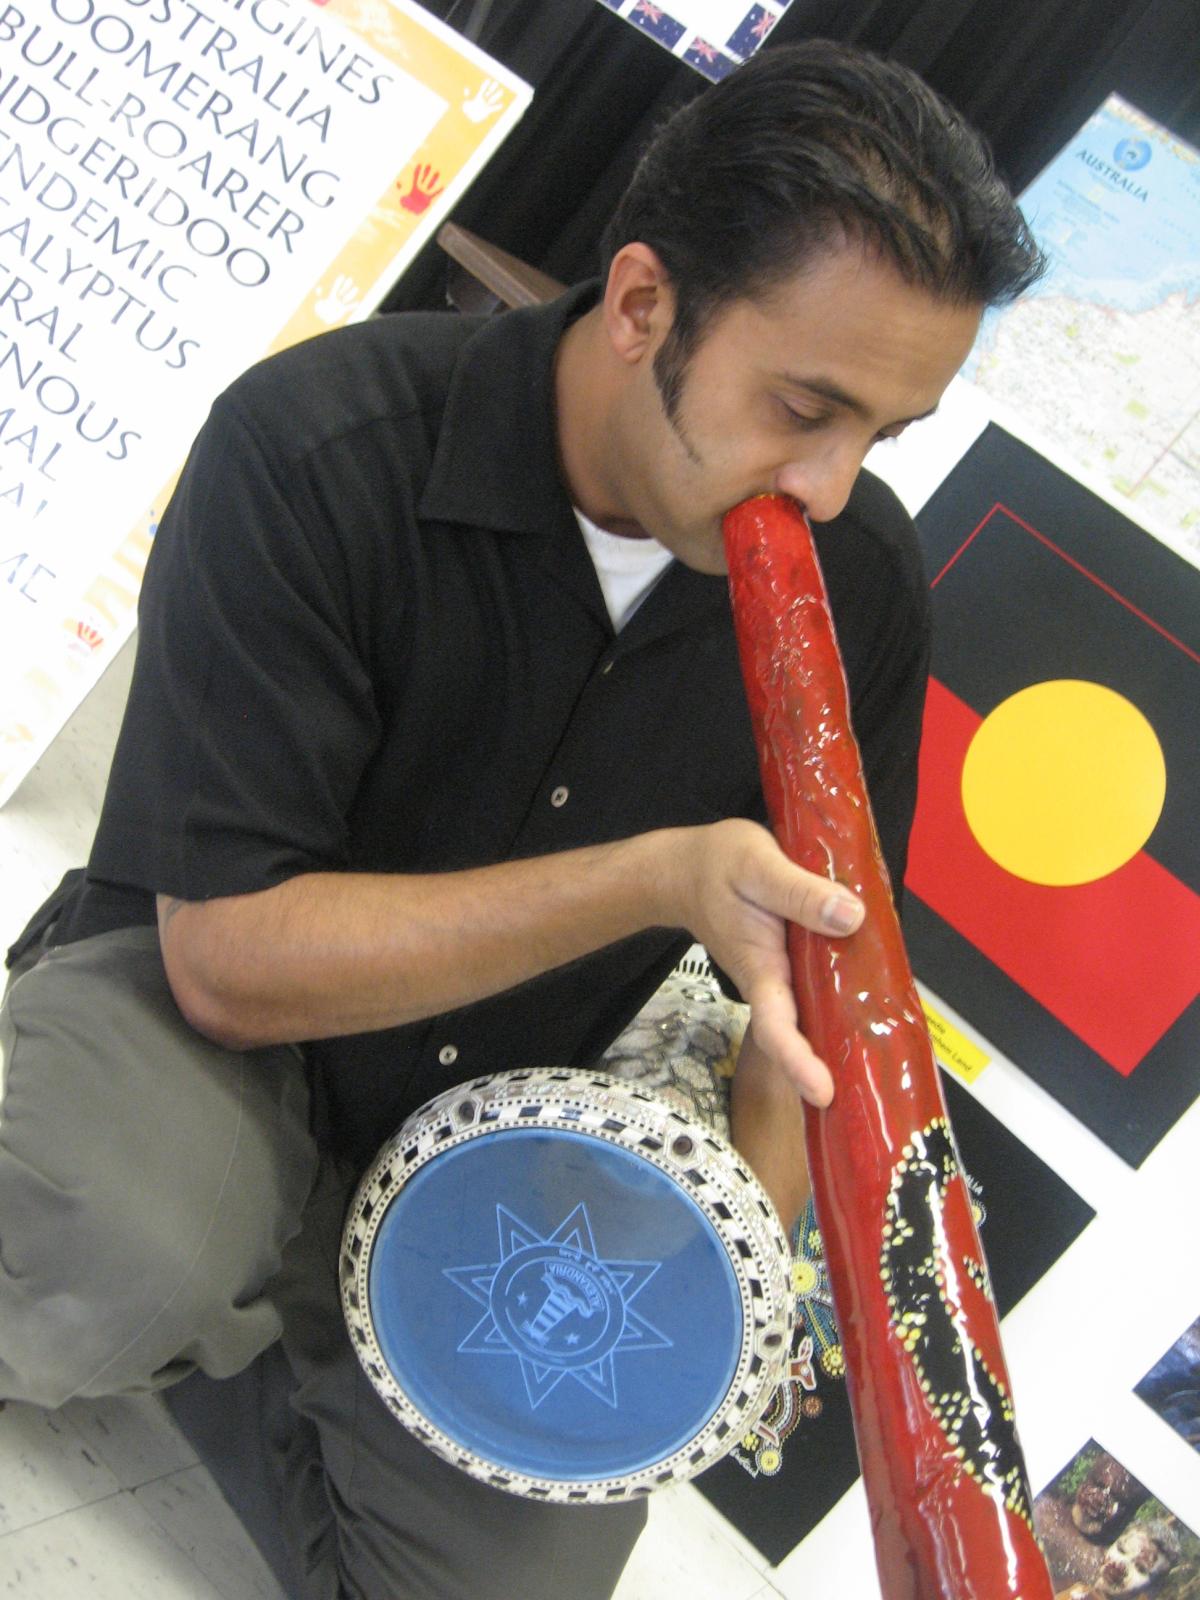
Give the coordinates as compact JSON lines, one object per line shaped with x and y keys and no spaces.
{"x":371,"y":639}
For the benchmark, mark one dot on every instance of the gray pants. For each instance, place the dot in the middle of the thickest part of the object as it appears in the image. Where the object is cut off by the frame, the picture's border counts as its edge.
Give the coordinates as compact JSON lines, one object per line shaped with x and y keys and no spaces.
{"x":149,"y":1179}
{"x":158,"y":1219}
{"x":343,"y":1501}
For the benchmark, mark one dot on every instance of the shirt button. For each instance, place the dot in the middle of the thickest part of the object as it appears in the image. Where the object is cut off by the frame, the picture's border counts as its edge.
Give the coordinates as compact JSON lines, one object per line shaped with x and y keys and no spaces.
{"x":559,"y":796}
{"x":606,"y":669}
{"x":448,"y":1055}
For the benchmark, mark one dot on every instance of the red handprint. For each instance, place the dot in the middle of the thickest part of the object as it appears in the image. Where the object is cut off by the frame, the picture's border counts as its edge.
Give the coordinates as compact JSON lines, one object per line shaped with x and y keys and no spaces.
{"x":426,"y":186}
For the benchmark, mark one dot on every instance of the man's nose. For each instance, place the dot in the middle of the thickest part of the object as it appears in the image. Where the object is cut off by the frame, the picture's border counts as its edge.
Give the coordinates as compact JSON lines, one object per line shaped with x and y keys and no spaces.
{"x":821,"y":484}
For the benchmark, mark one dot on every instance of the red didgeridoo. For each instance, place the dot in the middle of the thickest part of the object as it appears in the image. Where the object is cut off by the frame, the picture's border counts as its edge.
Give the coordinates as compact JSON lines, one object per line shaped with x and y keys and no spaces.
{"x":950,"y":1507}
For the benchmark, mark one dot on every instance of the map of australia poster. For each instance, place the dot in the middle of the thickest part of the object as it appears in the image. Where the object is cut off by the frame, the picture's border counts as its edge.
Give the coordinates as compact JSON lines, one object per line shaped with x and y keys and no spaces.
{"x":1055,"y":863}
{"x":1101,"y":355}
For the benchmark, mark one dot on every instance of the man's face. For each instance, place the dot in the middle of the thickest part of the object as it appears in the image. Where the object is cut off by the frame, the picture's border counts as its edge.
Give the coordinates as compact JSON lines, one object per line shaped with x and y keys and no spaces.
{"x":1131,"y":1564}
{"x":785,"y":394}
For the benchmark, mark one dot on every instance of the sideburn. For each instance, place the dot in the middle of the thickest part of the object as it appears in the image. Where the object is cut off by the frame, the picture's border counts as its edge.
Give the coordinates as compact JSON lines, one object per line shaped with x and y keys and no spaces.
{"x":670,"y":368}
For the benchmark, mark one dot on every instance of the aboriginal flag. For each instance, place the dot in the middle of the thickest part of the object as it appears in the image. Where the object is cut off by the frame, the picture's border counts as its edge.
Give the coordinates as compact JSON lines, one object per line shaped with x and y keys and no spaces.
{"x":1090,"y":986}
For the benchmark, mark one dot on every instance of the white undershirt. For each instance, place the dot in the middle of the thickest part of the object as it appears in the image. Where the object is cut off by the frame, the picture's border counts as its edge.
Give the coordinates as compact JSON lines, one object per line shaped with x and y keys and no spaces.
{"x":627,"y":568}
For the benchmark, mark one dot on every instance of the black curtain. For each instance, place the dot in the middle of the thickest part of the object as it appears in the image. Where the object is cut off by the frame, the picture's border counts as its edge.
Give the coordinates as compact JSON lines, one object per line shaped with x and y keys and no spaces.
{"x":1027,"y":73}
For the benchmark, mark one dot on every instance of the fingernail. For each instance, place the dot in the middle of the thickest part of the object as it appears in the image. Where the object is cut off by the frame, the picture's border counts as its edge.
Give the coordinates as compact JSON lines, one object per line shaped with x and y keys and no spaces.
{"x":840,"y":915}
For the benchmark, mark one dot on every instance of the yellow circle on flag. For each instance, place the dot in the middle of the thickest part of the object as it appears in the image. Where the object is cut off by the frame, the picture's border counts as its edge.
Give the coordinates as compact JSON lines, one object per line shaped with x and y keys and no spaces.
{"x":1063,"y":782}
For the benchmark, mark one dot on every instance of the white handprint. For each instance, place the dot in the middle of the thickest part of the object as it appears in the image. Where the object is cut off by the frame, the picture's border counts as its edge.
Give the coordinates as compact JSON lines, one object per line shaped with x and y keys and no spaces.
{"x":488,"y":99}
{"x":339,"y":302}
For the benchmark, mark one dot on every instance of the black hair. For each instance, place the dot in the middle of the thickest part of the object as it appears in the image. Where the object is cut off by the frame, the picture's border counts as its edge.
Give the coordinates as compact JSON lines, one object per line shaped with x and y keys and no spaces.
{"x":806,"y":147}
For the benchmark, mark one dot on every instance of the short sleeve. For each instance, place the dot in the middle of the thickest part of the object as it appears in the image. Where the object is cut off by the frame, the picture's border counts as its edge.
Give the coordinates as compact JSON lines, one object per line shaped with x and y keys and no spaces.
{"x":251,"y":714}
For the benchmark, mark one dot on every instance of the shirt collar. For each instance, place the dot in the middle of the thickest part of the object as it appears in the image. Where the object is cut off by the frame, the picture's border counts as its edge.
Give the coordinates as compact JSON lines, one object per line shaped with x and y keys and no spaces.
{"x":505,"y":371}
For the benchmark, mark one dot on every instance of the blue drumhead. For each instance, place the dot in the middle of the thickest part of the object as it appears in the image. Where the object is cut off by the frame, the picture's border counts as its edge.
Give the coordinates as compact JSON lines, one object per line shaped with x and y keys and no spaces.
{"x":555,"y":1303}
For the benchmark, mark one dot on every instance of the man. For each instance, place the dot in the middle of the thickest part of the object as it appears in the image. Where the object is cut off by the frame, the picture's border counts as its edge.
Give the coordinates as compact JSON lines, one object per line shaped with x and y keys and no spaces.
{"x":436,"y":758}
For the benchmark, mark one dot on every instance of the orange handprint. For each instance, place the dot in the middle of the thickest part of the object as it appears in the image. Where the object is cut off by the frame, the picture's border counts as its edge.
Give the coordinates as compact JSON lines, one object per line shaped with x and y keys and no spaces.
{"x":426,"y":186}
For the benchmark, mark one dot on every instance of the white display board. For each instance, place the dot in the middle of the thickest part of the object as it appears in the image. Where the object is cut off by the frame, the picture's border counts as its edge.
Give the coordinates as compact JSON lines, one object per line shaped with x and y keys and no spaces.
{"x":183,"y":190}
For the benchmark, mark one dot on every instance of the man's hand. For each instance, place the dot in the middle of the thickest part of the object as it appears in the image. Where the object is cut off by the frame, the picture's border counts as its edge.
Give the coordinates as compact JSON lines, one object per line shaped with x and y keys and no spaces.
{"x":737,"y":892}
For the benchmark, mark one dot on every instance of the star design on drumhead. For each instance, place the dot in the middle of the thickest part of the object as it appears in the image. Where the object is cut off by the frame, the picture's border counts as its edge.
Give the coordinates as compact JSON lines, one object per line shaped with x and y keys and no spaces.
{"x":556,"y":1305}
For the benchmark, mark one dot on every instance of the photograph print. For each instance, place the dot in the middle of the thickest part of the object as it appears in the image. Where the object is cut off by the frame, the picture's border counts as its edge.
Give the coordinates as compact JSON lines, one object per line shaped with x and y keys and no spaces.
{"x":1104,"y":1535}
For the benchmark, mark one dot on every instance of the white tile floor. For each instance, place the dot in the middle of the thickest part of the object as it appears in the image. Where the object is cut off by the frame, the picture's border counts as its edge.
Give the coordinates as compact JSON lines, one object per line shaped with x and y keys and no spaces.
{"x":105,"y":1499}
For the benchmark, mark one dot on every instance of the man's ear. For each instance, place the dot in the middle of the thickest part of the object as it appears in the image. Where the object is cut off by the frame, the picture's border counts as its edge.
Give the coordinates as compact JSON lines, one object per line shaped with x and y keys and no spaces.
{"x":638,"y":302}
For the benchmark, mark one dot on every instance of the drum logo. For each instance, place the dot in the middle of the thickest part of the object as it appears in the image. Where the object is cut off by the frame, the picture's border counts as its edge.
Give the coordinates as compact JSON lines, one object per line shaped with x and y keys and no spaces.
{"x":555,"y":1305}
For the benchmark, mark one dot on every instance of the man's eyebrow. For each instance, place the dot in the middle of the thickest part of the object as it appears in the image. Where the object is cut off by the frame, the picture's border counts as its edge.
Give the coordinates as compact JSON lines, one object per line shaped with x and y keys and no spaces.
{"x":833,"y":392}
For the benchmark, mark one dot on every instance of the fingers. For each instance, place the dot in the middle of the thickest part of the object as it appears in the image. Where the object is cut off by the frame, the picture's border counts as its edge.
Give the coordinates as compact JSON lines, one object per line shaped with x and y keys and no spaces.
{"x":738,"y":891}
{"x":773,"y":1024}
{"x":769,"y":892}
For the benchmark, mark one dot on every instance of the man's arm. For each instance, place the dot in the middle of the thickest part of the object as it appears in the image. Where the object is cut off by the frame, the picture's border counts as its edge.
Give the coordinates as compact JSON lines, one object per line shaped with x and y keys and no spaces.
{"x":327,"y":954}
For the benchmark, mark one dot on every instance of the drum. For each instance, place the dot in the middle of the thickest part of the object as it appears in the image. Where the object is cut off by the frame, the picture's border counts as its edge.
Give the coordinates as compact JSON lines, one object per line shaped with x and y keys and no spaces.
{"x":567,"y":1286}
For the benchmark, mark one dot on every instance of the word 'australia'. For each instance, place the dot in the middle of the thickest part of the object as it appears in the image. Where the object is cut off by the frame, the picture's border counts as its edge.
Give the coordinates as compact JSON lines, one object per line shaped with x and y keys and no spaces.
{"x":1122,"y":181}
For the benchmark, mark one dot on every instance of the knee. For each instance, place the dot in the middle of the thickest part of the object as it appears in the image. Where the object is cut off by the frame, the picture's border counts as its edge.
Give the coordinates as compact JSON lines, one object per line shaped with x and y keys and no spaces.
{"x":149,"y":1180}
{"x":120,"y":1280}
{"x":127,"y":1305}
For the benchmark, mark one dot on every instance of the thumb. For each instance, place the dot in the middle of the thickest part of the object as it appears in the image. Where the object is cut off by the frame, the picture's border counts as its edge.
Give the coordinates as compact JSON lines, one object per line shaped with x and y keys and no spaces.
{"x":818,"y":904}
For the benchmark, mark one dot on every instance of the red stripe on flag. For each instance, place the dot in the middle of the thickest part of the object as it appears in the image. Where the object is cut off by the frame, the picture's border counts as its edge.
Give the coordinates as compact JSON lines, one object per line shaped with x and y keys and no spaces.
{"x":1115,"y":960}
